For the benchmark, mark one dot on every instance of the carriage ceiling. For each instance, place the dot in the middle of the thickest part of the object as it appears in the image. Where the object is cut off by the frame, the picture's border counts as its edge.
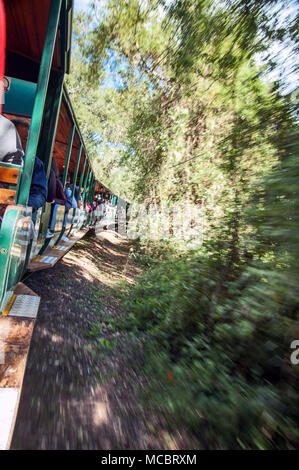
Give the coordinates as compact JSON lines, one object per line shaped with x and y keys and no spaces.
{"x":61,"y":142}
{"x":26,"y":25}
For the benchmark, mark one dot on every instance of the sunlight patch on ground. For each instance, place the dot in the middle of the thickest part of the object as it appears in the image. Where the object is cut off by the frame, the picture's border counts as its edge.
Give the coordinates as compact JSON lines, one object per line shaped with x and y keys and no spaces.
{"x":100,"y":413}
{"x":89,"y":270}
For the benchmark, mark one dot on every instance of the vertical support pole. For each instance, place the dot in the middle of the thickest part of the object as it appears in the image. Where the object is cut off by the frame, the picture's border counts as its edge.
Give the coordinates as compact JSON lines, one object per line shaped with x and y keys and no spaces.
{"x":85,"y":183}
{"x":92,"y":189}
{"x":89,"y":194}
{"x":50,"y":120}
{"x":76,"y":168}
{"x":88,"y":186}
{"x":68,"y":155}
{"x":39,"y":101}
{"x":74,"y":181}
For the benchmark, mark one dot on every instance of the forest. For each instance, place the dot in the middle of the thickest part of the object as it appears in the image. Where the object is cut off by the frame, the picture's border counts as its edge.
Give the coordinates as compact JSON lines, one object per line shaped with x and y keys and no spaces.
{"x":180,"y":104}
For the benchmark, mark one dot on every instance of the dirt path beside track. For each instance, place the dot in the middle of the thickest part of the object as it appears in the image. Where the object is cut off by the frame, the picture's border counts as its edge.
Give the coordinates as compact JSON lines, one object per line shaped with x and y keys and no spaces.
{"x":76,"y":395}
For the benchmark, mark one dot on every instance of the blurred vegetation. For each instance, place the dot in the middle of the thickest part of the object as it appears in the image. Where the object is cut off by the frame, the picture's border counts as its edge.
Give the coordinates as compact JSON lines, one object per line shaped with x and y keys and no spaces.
{"x":177,"y":110}
{"x":217,"y":338}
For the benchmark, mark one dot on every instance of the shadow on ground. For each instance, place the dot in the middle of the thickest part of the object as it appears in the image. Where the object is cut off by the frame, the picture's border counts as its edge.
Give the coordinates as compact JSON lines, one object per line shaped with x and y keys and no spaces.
{"x":65,"y":402}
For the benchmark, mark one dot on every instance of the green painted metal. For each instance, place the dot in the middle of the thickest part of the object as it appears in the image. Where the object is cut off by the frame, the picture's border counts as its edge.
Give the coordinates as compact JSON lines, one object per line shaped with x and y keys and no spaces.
{"x":67,"y":227}
{"x":19,"y":249}
{"x":66,"y":35}
{"x":74,"y":221}
{"x":39,"y":101}
{"x":93,"y":189}
{"x":77,"y":211}
{"x":14,"y":239}
{"x":90,"y":183}
{"x":88,"y":173}
{"x":42,"y":102}
{"x":79,"y":214}
{"x":69,"y":220}
{"x":72,"y":213}
{"x":76,"y":168}
{"x":63,"y":37}
{"x":58,"y":228}
{"x":88,"y":186}
{"x":68,"y":155}
{"x":36,"y":219}
{"x":32,"y":248}
{"x":6,"y":239}
{"x":19,"y":99}
{"x":80,"y":221}
{"x":42,"y":242}
{"x":84,"y":183}
{"x":50,"y":120}
{"x":82,"y":175}
{"x":45,"y":148}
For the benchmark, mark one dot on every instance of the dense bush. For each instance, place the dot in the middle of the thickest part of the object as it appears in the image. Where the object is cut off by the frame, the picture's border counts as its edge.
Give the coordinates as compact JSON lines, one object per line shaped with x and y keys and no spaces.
{"x":217,"y":343}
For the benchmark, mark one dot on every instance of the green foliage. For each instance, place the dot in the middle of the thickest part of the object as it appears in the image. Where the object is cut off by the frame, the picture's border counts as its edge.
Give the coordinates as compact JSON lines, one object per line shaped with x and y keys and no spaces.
{"x":176,"y":110}
{"x":223,"y":370}
{"x":171,"y":101}
{"x":97,"y":300}
{"x":107,"y":344}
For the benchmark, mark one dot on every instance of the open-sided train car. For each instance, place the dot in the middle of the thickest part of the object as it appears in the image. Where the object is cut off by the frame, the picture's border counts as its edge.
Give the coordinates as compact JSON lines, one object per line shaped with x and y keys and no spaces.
{"x":38,"y":46}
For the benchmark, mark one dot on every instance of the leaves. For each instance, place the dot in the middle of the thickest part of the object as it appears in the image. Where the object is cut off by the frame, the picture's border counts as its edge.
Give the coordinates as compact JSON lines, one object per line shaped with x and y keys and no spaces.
{"x":177,"y":110}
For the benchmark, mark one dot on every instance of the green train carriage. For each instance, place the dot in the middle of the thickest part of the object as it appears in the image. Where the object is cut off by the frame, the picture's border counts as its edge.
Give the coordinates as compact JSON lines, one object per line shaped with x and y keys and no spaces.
{"x":38,"y":47}
{"x":37,"y":57}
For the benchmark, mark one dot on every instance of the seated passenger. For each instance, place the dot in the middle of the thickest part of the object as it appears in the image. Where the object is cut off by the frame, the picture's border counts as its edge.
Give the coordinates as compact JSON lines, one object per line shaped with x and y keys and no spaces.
{"x":11,"y":150}
{"x":13,"y":141}
{"x":77,"y":196}
{"x":68,"y":194}
{"x":39,"y":187}
{"x":77,"y":193}
{"x":55,"y":188}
